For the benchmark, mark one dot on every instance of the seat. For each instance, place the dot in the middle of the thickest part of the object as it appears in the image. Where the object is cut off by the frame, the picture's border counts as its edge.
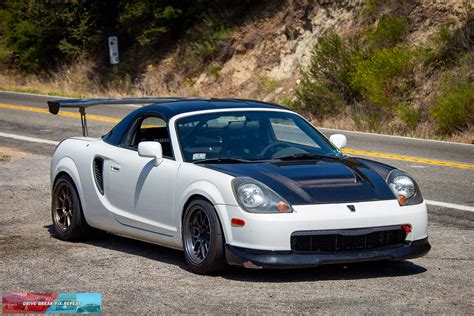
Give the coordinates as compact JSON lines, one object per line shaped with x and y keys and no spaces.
{"x":240,"y":139}
{"x":157,"y":134}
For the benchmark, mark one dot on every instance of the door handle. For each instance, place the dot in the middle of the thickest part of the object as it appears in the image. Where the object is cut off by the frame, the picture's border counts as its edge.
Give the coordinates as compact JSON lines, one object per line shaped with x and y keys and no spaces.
{"x":114,"y":168}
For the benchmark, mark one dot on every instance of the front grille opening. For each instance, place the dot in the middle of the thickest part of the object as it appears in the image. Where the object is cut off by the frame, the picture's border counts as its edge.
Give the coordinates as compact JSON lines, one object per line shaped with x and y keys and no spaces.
{"x":99,"y":174}
{"x":347,"y":240}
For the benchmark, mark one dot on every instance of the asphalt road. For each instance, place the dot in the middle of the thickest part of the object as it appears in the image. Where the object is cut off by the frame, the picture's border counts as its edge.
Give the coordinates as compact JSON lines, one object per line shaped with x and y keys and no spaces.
{"x":138,"y":277}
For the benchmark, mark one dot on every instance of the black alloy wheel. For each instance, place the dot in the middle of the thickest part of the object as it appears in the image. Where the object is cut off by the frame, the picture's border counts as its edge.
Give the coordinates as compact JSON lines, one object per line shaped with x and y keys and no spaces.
{"x":66,"y":211}
{"x":203,"y":239}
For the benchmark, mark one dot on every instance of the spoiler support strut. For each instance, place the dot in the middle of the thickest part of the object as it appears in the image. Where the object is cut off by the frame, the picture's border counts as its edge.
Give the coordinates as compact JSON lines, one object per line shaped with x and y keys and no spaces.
{"x":85,"y":132}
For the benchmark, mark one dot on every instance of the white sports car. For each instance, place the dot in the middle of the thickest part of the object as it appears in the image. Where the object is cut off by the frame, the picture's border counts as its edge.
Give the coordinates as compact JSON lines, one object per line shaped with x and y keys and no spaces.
{"x":233,"y":182}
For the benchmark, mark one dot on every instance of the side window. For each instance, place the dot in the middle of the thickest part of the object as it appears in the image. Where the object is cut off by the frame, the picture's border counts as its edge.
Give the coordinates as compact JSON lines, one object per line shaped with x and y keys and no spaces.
{"x":287,"y":131}
{"x":153,"y":129}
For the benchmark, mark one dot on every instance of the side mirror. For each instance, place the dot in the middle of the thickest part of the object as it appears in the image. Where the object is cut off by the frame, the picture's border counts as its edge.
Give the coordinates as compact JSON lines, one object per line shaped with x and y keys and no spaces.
{"x":151,"y":150}
{"x":339,"y":140}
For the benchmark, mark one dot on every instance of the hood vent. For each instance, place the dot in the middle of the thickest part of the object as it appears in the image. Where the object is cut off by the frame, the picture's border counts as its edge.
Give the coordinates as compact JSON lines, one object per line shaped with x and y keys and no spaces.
{"x":99,"y":174}
{"x":293,"y":163}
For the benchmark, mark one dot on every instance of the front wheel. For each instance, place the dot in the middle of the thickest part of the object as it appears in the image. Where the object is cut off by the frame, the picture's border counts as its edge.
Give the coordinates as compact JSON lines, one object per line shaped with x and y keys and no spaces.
{"x":203,"y":239}
{"x":68,"y":220}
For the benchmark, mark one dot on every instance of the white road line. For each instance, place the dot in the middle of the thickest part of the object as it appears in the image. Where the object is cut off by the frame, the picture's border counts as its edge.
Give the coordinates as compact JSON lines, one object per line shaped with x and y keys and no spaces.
{"x":53,"y":142}
{"x":29,"y":139}
{"x":451,"y":205}
{"x":331,"y":130}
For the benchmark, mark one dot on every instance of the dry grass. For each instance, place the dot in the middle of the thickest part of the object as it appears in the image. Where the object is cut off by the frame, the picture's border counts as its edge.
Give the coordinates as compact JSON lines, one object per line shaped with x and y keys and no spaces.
{"x":4,"y":158}
{"x":76,"y":80}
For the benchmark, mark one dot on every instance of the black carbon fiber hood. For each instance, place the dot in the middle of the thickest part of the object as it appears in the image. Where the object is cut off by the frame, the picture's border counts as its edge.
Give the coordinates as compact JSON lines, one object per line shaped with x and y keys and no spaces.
{"x":320,"y":181}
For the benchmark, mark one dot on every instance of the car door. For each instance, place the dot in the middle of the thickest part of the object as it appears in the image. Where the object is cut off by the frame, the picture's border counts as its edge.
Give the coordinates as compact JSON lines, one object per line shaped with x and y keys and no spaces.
{"x":141,"y":195}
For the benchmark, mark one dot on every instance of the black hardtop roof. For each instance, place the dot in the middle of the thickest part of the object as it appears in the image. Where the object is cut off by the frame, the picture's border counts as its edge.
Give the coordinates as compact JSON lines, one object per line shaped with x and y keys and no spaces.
{"x":171,"y":108}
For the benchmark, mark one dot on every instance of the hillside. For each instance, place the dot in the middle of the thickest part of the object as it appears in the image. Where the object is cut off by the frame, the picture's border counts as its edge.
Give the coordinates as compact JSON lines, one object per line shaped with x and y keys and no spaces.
{"x":385,"y":66}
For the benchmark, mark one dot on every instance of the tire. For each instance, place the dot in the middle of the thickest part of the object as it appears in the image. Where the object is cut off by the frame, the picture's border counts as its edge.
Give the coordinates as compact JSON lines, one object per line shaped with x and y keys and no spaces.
{"x":204,"y":251}
{"x":69,"y":223}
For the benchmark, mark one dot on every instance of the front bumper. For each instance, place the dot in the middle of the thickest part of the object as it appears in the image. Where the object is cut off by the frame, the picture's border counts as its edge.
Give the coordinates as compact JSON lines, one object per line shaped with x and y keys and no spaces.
{"x":257,"y":259}
{"x":272,"y":232}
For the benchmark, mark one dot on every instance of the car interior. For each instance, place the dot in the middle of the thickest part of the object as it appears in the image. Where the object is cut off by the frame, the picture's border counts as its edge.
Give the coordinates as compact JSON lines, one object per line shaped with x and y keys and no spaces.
{"x":153,"y":129}
{"x":241,"y":137}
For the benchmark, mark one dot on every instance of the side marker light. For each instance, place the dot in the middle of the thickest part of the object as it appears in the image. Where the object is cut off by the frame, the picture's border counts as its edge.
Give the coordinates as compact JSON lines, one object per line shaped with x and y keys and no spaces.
{"x":237,"y":222}
{"x":406,"y":228}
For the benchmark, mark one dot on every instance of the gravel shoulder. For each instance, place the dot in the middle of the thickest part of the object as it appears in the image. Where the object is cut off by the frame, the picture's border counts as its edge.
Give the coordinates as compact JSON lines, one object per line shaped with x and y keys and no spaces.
{"x":136,"y":277}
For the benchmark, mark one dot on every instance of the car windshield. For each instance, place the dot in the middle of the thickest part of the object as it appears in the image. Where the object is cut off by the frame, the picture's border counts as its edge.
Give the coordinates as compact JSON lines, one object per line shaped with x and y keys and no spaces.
{"x":244,"y":136}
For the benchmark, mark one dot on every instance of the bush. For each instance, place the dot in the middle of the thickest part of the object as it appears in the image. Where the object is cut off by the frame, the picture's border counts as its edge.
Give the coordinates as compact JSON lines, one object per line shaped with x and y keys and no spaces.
{"x":370,"y":7}
{"x":213,"y":36}
{"x":325,"y":86}
{"x":343,"y":72}
{"x":385,"y":77}
{"x":448,"y":44}
{"x":409,"y":115}
{"x":265,"y":83}
{"x":453,"y":110}
{"x":388,"y":31}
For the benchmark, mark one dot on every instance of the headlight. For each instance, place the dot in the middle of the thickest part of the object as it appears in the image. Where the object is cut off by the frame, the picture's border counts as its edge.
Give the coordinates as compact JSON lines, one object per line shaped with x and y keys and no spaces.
{"x":255,"y":197}
{"x":404,"y":188}
{"x":250,"y":195}
{"x":402,"y":185}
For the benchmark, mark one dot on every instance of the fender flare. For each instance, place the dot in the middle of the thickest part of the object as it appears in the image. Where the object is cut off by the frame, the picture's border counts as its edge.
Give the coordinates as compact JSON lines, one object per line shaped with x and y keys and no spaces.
{"x":207,"y":190}
{"x":68,"y":166}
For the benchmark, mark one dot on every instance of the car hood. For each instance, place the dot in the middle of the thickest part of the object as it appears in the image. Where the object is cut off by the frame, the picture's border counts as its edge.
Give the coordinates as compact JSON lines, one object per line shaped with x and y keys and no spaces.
{"x":321,"y":181}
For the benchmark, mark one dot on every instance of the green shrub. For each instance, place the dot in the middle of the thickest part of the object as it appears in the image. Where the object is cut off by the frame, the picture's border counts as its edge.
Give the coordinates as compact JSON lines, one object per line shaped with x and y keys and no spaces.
{"x":212,"y":37}
{"x":370,"y":7}
{"x":453,"y":110}
{"x":388,"y":31}
{"x":214,"y":69}
{"x":265,"y":83}
{"x":385,"y":77}
{"x":449,"y":44}
{"x":410,"y":115}
{"x":325,"y":86}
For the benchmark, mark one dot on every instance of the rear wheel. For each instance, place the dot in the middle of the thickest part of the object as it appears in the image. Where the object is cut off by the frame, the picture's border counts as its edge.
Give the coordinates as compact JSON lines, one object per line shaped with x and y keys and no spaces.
{"x":66,"y":211}
{"x":203,"y":239}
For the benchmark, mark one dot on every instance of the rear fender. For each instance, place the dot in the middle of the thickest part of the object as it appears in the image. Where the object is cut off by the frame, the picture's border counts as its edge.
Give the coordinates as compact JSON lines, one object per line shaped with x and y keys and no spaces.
{"x":68,"y":166}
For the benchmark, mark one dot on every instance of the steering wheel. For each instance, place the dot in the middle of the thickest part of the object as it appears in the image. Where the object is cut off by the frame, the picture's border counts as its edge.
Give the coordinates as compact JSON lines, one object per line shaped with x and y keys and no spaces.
{"x":273,"y":147}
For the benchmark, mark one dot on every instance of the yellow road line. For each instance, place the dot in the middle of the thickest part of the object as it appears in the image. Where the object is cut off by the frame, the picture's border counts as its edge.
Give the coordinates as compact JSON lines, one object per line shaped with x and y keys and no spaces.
{"x":347,"y":151}
{"x":408,"y":158}
{"x":61,"y":113}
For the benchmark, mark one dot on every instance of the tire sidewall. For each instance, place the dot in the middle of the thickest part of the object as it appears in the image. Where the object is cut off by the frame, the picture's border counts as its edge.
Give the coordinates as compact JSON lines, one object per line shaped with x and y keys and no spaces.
{"x":77,"y":220}
{"x":214,"y":257}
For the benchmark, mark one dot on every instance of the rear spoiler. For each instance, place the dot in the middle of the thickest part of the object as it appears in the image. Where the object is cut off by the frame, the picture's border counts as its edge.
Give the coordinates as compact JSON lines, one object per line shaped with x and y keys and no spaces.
{"x":82,"y":104}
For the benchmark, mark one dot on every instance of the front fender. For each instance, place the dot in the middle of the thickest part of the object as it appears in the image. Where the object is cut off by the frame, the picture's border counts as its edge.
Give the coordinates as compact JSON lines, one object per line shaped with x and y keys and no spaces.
{"x":207,"y":190}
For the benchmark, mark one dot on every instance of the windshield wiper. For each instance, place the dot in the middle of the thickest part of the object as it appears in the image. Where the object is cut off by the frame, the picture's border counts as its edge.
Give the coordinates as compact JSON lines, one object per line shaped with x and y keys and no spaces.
{"x":223,"y":160}
{"x":300,"y":156}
